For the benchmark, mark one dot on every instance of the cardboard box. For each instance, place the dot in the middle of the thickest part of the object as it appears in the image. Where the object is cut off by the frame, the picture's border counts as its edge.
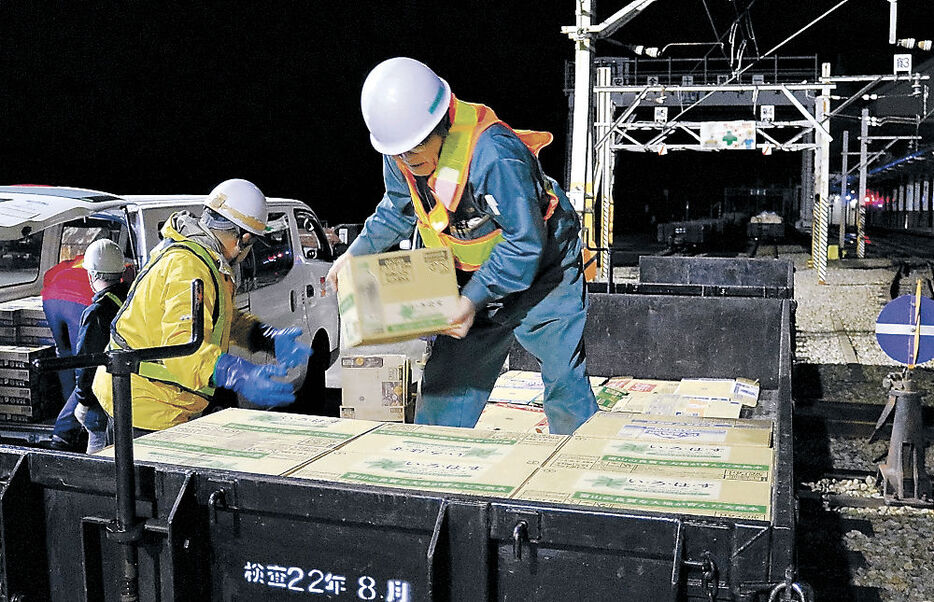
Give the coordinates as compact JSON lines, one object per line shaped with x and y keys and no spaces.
{"x":526,"y":387}
{"x":611,"y":392}
{"x":253,"y":441}
{"x":27,"y":311}
{"x":377,"y":413}
{"x":512,"y":418}
{"x":435,"y":458}
{"x":726,"y":463}
{"x":738,"y":390}
{"x":639,"y":427}
{"x":670,"y":404}
{"x":18,"y":356}
{"x":640,"y":392}
{"x":374,"y":380}
{"x":396,"y":296}
{"x":650,"y":492}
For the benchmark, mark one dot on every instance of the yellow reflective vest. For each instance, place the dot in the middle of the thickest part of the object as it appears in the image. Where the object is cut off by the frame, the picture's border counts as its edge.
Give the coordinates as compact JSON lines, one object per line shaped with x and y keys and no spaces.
{"x":447,"y":183}
{"x":157,"y":312}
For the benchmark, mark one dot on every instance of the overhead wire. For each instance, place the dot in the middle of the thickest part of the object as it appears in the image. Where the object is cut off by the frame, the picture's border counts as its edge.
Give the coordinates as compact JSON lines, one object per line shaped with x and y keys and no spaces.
{"x":668,"y":128}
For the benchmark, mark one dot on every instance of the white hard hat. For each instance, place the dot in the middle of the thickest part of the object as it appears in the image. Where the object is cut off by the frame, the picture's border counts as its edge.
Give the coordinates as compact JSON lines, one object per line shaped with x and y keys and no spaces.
{"x":104,"y":256}
{"x":241,"y":202}
{"x":402,"y":101}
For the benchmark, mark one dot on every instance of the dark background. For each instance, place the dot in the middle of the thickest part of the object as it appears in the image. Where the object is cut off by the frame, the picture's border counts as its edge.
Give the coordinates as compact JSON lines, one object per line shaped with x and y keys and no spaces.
{"x":172,"y":97}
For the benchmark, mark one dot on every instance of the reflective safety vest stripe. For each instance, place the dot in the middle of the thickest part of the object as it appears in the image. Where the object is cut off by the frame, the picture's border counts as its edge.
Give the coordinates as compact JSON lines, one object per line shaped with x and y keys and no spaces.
{"x":449,"y":180}
{"x":114,"y":298}
{"x":156,"y":370}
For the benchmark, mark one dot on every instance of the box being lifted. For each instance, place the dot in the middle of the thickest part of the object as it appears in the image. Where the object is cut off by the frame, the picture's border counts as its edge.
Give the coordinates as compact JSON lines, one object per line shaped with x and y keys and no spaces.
{"x":396,"y":296}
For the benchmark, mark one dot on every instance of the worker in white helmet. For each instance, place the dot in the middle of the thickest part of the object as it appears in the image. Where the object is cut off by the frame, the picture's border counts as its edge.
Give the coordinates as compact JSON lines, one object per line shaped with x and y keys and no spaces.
{"x":157,"y":312}
{"x":105,"y":266}
{"x":467,"y":181}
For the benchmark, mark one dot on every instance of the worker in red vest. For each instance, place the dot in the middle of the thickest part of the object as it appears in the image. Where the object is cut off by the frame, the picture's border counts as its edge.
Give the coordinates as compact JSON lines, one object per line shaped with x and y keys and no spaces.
{"x":66,"y":292}
{"x":467,"y":181}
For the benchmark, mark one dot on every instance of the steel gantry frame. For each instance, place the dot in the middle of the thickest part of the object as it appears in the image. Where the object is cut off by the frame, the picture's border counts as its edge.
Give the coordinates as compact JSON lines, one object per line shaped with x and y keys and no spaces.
{"x":597,"y":132}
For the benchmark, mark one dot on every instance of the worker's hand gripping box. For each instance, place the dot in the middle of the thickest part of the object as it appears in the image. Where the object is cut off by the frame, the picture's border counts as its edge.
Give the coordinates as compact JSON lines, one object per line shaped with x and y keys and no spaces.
{"x":375,"y":387}
{"x":396,"y":296}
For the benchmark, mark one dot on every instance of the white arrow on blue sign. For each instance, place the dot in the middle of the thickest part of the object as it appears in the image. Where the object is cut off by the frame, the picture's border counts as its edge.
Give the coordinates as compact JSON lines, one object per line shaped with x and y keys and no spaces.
{"x":896,"y":329}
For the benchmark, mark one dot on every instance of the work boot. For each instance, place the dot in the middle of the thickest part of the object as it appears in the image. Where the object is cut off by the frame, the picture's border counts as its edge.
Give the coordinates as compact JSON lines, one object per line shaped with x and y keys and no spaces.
{"x":59,"y":444}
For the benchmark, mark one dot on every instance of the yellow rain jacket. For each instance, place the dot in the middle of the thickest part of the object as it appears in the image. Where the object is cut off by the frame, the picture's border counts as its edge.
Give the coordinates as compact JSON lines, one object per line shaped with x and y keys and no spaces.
{"x":157,"y":312}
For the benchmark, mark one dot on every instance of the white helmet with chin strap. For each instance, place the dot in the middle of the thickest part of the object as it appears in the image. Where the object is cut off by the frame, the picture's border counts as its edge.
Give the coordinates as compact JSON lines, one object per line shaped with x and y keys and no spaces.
{"x":402,"y":101}
{"x":240,"y":202}
{"x":104,"y":259}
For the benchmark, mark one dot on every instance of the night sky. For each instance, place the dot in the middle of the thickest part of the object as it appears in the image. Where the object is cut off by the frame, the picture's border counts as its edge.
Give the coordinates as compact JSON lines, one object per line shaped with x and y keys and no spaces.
{"x":172,"y":97}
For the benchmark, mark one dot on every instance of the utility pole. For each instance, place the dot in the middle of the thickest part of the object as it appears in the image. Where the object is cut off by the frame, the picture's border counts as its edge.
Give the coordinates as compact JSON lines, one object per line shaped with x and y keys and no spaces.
{"x":843,"y":191}
{"x":861,"y":200}
{"x":821,"y":177}
{"x":580,"y":187}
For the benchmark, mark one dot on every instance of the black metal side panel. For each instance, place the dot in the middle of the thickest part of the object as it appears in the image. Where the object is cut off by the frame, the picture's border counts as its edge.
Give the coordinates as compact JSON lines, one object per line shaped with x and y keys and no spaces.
{"x":22,"y":562}
{"x":725,"y":271}
{"x":668,"y":337}
{"x":585,"y":555}
{"x":276,"y":539}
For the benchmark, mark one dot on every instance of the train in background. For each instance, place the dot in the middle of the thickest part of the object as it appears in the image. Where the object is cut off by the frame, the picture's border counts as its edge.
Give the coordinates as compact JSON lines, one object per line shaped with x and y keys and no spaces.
{"x":745,"y":217}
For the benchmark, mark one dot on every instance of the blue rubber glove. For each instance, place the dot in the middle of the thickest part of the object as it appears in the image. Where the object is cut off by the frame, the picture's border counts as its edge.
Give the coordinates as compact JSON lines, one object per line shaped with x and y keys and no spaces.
{"x":253,"y":381}
{"x":290,"y":352}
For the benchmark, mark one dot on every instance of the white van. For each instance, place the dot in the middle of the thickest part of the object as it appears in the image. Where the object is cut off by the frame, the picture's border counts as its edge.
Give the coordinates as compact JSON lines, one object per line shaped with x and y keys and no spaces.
{"x":282,"y":282}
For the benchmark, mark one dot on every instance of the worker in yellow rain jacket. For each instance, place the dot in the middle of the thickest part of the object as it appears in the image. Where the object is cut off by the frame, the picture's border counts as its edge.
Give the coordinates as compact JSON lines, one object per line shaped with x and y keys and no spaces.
{"x":157,"y":312}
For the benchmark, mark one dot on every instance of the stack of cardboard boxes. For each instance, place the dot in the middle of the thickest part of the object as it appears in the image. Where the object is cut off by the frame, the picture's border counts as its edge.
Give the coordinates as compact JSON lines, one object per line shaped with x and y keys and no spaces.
{"x":699,"y":397}
{"x":252,"y":441}
{"x":720,"y":468}
{"x":516,"y":402}
{"x":22,"y":322}
{"x":24,"y":397}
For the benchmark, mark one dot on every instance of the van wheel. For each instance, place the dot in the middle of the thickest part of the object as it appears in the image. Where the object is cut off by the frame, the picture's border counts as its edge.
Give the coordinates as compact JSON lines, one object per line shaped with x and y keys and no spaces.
{"x":311,"y":398}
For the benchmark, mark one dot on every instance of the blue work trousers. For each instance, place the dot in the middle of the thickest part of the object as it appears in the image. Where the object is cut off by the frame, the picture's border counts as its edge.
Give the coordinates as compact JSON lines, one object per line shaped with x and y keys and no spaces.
{"x":548,"y":321}
{"x":64,"y":318}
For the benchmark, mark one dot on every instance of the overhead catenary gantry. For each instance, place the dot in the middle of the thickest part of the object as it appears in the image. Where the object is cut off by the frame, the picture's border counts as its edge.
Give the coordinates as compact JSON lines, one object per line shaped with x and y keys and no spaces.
{"x":790,"y":106}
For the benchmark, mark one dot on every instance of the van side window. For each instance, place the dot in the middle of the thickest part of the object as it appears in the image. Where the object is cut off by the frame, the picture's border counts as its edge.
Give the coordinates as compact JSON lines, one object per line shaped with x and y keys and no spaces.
{"x":19,"y":260}
{"x":272,"y":253}
{"x":78,"y":234}
{"x":312,"y":237}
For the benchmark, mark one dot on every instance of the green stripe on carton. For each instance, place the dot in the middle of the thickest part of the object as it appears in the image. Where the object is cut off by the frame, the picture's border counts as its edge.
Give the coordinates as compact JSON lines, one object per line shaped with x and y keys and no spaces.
{"x":685,"y":463}
{"x":346,"y":303}
{"x":285,"y":431}
{"x":363,"y":477}
{"x":437,"y":437}
{"x":608,"y":398}
{"x":204,"y":449}
{"x":432,"y":322}
{"x":669,"y":504}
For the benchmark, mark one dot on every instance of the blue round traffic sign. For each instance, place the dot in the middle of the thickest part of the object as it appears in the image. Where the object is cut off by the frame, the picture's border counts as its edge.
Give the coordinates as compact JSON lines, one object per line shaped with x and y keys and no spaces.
{"x":901,"y":327}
